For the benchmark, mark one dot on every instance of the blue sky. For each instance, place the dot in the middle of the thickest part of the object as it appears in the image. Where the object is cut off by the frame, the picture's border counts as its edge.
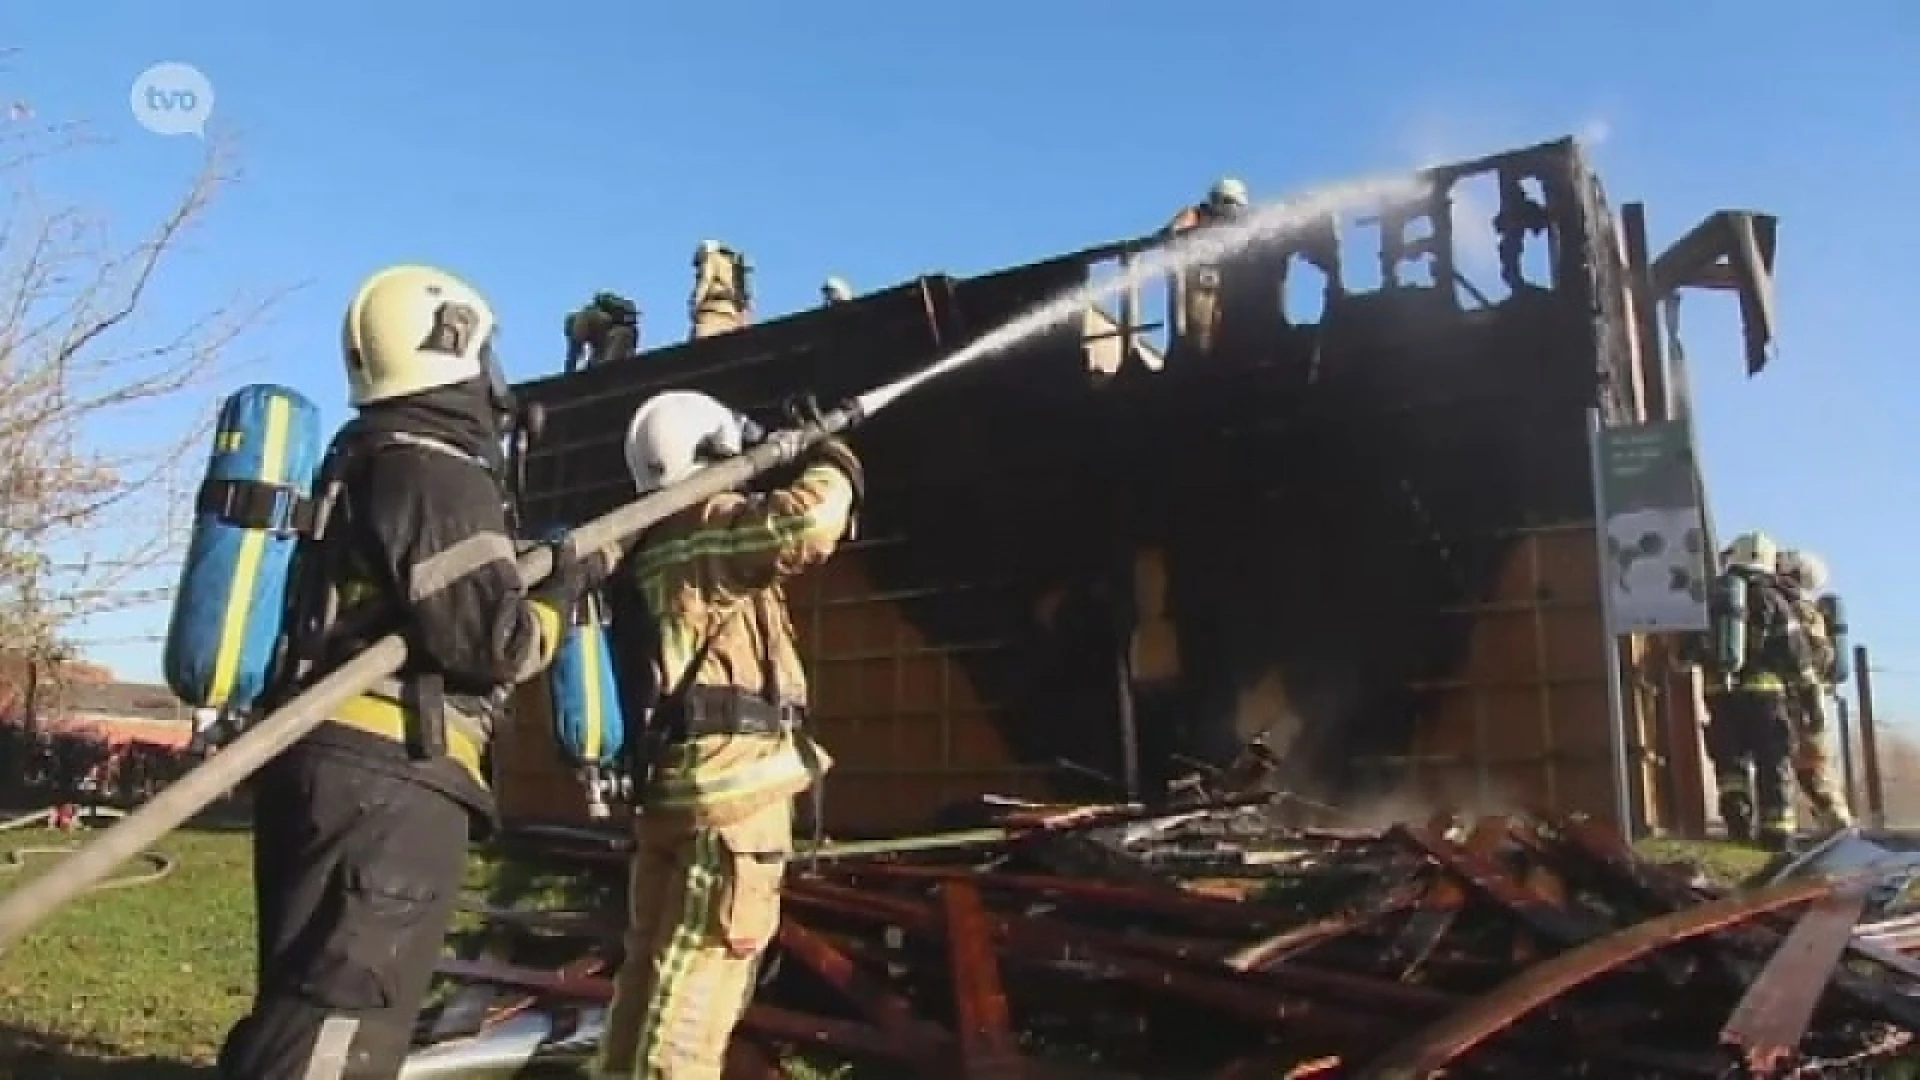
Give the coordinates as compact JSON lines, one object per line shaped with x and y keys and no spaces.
{"x":549,"y":150}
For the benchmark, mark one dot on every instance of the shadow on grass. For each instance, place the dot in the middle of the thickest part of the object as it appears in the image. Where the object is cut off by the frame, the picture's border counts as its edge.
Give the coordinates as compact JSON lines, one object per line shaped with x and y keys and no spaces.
{"x":30,"y":1055}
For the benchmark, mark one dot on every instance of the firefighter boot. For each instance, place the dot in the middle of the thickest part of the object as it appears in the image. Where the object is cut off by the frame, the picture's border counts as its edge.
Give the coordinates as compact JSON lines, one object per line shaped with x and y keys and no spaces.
{"x":1736,"y":813}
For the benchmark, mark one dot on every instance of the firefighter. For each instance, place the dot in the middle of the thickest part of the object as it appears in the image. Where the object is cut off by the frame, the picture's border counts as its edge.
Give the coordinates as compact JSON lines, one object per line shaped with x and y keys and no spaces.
{"x":722,"y":299}
{"x":729,"y":752}
{"x":361,"y":828}
{"x":835,"y":290}
{"x":606,"y":330}
{"x":1760,"y":654}
{"x":1201,"y":296}
{"x":1804,"y":576}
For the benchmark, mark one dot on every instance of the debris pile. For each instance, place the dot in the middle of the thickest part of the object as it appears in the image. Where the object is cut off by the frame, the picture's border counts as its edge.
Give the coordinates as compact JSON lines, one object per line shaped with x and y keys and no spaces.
{"x":1211,"y":943}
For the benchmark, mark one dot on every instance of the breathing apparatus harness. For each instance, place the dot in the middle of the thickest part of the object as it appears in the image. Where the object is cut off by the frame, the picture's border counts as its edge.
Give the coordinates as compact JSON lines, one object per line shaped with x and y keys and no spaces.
{"x":315,"y":621}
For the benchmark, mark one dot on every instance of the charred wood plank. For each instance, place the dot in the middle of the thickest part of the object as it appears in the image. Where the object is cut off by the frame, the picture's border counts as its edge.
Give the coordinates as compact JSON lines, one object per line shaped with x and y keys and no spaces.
{"x":1773,"y":1015}
{"x":1458,"y":1033}
{"x":1396,"y":896}
{"x":1558,"y":925}
{"x":988,"y":1048}
{"x":875,"y":1001}
{"x":1739,"y":949}
{"x":1426,"y":927}
{"x":1034,"y":943}
{"x":1233,"y":916}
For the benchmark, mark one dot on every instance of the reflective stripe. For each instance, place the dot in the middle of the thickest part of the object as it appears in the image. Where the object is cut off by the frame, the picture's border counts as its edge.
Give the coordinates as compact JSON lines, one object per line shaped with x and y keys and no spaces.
{"x":331,"y":1047}
{"x":389,"y":720}
{"x":246,"y":567}
{"x":443,"y":570}
{"x":592,"y":661}
{"x":476,"y":730}
{"x":829,"y":514}
{"x":706,"y":787}
{"x":551,"y":626}
{"x":699,"y":914}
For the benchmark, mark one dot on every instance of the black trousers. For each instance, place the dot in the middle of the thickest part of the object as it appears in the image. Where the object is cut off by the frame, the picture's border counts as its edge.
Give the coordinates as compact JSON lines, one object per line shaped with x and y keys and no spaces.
{"x":1753,"y":731}
{"x":356,"y":873}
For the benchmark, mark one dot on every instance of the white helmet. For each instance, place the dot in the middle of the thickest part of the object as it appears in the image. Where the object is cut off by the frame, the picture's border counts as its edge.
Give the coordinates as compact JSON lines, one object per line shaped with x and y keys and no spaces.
{"x":1227,"y":192}
{"x":835,"y":290}
{"x":414,"y":328}
{"x":1752,"y":551}
{"x":1804,"y":568}
{"x":673,"y":432}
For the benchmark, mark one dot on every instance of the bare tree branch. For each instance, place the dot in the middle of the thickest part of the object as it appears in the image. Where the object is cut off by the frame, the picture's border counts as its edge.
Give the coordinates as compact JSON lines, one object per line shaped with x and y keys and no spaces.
{"x":90,"y":517}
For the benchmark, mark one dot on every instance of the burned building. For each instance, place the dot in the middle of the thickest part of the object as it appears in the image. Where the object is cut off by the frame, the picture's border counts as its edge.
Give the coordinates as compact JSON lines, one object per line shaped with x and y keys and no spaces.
{"x":1366,"y":534}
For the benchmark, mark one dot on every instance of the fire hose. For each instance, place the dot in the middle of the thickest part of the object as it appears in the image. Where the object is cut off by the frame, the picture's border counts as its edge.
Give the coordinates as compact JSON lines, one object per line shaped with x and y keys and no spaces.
{"x":30,"y":904}
{"x":13,"y":860}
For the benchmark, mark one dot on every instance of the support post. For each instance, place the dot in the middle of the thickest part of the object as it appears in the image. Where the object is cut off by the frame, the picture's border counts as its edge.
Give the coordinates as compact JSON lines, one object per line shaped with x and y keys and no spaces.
{"x":1849,"y":778}
{"x":1869,"y":740}
{"x":1625,"y":816}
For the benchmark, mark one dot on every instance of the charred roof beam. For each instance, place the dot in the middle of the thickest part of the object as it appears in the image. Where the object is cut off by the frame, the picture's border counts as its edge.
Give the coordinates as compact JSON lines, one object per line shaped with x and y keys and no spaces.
{"x":1731,"y":251}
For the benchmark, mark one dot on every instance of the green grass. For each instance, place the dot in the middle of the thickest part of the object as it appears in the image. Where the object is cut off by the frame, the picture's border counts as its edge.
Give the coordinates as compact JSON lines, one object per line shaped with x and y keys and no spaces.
{"x":132,"y":982}
{"x":1723,"y":863}
{"x":142,"y":983}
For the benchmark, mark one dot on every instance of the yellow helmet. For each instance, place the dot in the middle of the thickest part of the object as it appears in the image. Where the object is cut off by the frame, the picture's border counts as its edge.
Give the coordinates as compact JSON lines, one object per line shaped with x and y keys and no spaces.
{"x":414,"y":328}
{"x":1753,"y":551}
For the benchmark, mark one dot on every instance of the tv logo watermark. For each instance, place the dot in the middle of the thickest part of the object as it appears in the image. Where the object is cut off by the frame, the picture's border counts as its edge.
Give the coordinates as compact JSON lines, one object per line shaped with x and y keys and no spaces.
{"x":172,"y":99}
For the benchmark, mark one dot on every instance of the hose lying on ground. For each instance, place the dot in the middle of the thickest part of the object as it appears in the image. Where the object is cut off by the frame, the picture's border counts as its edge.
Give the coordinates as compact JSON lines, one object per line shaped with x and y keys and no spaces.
{"x":14,"y":860}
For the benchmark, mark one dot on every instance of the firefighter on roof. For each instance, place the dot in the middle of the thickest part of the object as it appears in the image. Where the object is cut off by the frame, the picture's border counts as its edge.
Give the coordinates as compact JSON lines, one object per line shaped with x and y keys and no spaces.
{"x":605,"y":331}
{"x":361,"y":828}
{"x":726,"y":707}
{"x":1760,"y":654}
{"x":722,"y":300}
{"x":1804,"y":576}
{"x":835,"y":290}
{"x":1205,"y":298}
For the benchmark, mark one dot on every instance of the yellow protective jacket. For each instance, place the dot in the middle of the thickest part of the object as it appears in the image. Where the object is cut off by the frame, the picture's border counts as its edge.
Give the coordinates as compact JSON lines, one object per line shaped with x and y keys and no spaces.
{"x":716,"y":570}
{"x":1819,"y":639}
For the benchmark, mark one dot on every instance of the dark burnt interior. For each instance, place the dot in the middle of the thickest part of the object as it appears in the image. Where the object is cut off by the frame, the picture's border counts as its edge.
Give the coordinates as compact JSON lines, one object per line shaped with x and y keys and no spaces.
{"x":1321,"y":488}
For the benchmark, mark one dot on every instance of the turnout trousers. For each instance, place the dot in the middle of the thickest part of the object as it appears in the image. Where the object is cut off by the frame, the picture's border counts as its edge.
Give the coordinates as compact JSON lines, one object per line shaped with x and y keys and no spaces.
{"x":356,"y":872}
{"x":1813,"y":768}
{"x":705,"y":904}
{"x":1749,"y":738}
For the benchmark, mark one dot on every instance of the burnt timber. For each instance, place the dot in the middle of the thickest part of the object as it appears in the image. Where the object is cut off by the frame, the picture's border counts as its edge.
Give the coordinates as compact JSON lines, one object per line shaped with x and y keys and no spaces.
{"x":1369,"y":534}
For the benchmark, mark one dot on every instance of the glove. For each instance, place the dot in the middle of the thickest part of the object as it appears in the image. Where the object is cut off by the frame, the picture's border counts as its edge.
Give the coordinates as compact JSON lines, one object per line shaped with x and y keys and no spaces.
{"x":570,"y":577}
{"x":832,"y":451}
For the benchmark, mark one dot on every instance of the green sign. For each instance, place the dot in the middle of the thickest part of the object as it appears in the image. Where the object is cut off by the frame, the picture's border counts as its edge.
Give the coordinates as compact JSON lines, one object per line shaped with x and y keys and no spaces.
{"x":1656,"y":542}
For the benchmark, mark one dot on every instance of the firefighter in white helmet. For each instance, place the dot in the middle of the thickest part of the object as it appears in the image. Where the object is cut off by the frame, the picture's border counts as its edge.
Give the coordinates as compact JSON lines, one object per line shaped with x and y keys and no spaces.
{"x":361,"y":828}
{"x":835,"y":290}
{"x":1227,"y":196}
{"x":725,"y":751}
{"x":1804,"y":576}
{"x":1759,"y":656}
{"x":1196,"y":294}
